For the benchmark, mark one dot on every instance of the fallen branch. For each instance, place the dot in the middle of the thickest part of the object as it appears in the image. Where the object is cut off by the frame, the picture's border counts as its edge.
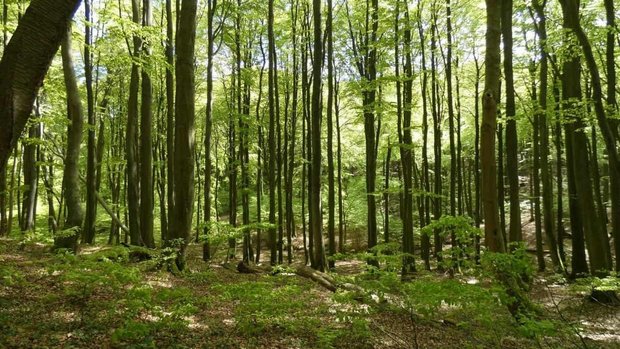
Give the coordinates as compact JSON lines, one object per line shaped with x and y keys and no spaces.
{"x":108,"y":210}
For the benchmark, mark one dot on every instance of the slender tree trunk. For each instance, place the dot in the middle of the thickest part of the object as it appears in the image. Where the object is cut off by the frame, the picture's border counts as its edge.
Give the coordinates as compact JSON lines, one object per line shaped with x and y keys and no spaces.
{"x":425,"y":238}
{"x":206,"y":247}
{"x":290,"y":217}
{"x":88,"y":235}
{"x":547,"y":185}
{"x":535,"y":179}
{"x":316,"y":217}
{"x":437,"y":206}
{"x":131,"y":138}
{"x":271,"y":138}
{"x":31,"y":176}
{"x":170,"y":118}
{"x":146,"y":139}
{"x":331,"y":195}
{"x":512,"y":161}
{"x":407,"y":156}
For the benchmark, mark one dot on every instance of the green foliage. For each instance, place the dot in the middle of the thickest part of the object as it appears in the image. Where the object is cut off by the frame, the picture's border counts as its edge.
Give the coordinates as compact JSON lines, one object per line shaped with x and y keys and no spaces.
{"x":513,"y":272}
{"x":460,"y":255}
{"x":609,"y":283}
{"x":10,"y":276}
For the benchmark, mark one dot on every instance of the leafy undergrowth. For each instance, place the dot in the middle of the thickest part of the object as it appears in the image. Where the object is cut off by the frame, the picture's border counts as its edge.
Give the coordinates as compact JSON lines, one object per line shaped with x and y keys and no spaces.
{"x":101,"y":298}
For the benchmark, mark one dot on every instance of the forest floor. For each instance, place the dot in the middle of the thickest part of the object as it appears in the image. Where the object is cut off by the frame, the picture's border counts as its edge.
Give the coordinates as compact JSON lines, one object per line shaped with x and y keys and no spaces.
{"x":101,"y":299}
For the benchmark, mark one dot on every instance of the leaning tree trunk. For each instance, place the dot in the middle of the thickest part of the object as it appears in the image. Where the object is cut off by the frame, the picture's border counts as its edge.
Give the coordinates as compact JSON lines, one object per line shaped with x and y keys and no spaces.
{"x":24,"y":65}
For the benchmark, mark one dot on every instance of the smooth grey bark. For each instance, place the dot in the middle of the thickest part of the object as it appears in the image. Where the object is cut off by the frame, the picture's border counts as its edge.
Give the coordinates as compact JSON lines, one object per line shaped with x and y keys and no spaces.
{"x":71,"y":175}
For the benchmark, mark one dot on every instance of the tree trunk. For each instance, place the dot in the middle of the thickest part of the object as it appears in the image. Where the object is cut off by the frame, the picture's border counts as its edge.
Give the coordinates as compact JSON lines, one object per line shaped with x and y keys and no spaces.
{"x":131,"y":138}
{"x":184,"y":128}
{"x":24,"y":64}
{"x":406,"y":155}
{"x":595,"y":234}
{"x":170,"y":117}
{"x":146,"y":140}
{"x":88,"y":235}
{"x":271,"y":137}
{"x":331,"y":195}
{"x":425,"y":238}
{"x":512,"y":162}
{"x":316,"y":217}
{"x":547,"y":185}
{"x":71,"y":174}
{"x":492,"y":232}
{"x":613,"y":105}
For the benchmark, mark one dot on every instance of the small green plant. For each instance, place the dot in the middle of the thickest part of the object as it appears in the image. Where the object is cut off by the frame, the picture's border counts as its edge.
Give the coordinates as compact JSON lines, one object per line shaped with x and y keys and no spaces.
{"x":462,"y":251}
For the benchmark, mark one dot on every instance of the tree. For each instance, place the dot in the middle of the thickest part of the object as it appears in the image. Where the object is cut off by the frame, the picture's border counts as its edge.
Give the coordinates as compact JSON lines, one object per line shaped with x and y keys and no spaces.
{"x":492,"y":232}
{"x":91,"y":201}
{"x":146,"y":139}
{"x":71,"y":181}
{"x":271,"y":136}
{"x":595,"y":234}
{"x":131,"y":137}
{"x":331,"y":194}
{"x":184,"y":129}
{"x":512,"y":161}
{"x":406,"y":154}
{"x":316,"y":217}
{"x":364,"y":45}
{"x":25,"y":62}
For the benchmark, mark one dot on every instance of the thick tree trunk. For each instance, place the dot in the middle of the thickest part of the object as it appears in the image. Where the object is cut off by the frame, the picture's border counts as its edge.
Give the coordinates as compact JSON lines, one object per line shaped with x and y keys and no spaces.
{"x":595,"y":233}
{"x":24,"y":65}
{"x":71,"y":175}
{"x":184,"y":128}
{"x":492,"y":232}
